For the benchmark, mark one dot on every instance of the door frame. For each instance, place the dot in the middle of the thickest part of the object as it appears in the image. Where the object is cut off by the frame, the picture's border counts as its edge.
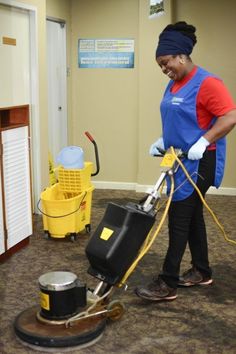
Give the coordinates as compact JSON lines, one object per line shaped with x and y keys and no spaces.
{"x":34,"y":94}
{"x":63,"y":72}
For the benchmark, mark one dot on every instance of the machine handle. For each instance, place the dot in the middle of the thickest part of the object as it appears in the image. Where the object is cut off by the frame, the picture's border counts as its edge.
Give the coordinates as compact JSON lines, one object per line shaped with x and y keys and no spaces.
{"x":180,"y":154}
{"x":162,"y":152}
{"x":89,"y":136}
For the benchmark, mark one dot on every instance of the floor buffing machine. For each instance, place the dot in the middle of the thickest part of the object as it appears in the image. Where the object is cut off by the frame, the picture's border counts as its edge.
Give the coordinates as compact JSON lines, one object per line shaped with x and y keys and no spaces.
{"x":69,"y":313}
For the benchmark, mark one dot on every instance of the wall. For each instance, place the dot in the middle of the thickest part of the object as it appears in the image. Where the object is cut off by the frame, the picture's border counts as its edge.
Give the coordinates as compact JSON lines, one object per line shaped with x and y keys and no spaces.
{"x":151,"y":86}
{"x":216,"y":29}
{"x":120,"y":107}
{"x":105,"y":101}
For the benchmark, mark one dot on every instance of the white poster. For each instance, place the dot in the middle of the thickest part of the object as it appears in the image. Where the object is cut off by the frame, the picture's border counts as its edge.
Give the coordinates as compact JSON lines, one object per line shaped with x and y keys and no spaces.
{"x":106,"y":53}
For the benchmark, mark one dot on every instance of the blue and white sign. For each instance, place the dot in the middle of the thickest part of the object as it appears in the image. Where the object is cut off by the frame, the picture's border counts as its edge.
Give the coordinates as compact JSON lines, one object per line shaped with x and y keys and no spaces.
{"x":106,"y":53}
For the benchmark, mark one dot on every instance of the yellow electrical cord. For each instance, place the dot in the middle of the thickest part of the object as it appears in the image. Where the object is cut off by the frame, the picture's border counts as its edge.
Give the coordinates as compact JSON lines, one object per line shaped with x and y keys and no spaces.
{"x":158,"y":207}
{"x":202,"y":199}
{"x":150,"y":239}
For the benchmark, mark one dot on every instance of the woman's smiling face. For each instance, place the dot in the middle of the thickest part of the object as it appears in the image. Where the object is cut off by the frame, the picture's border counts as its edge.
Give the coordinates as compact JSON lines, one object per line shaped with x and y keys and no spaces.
{"x":173,"y":66}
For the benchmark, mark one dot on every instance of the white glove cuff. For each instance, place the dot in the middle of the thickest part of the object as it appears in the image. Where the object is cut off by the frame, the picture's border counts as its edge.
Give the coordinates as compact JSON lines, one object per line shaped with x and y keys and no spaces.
{"x":204,"y":141}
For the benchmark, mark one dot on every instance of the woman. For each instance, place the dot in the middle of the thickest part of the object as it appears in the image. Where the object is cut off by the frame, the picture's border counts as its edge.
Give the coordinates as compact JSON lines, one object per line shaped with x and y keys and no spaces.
{"x":197,"y":112}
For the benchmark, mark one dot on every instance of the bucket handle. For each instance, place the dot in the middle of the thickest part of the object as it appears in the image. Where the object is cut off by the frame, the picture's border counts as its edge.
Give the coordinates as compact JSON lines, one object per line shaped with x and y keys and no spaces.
{"x":60,"y":216}
{"x":89,"y":136}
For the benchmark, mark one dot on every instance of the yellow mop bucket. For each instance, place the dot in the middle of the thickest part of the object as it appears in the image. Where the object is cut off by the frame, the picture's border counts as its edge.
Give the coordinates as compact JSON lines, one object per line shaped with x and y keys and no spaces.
{"x":65,"y":213}
{"x":75,"y":180}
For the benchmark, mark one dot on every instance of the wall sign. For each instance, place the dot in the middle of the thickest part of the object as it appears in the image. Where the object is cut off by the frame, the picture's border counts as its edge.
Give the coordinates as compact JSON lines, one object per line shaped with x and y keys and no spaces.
{"x":8,"y":41}
{"x":156,"y":8}
{"x":106,"y":53}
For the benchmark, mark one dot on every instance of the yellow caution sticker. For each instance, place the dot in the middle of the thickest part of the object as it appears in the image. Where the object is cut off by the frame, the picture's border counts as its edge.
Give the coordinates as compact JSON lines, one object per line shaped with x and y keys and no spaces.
{"x":168,"y":160}
{"x":106,"y":233}
{"x":44,"y":301}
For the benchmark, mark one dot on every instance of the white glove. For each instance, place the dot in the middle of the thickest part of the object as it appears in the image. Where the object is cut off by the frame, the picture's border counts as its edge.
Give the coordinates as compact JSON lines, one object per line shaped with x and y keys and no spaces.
{"x":154,"y":148}
{"x":197,"y":150}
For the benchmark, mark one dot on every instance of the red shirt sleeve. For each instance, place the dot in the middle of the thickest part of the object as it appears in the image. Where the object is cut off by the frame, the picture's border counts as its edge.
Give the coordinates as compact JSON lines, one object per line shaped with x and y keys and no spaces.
{"x":213,"y":100}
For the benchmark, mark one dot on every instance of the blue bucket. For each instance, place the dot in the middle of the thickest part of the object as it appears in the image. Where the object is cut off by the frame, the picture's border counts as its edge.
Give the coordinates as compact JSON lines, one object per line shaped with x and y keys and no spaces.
{"x":71,"y":157}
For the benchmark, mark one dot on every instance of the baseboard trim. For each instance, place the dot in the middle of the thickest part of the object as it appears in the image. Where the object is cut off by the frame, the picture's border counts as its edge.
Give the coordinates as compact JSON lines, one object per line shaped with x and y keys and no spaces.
{"x":144,"y":188}
{"x":114,"y":185}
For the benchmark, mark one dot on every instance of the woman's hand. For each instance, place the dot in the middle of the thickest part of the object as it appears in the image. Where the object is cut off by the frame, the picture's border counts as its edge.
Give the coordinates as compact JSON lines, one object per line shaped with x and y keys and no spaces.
{"x":154,"y":148}
{"x":197,"y":150}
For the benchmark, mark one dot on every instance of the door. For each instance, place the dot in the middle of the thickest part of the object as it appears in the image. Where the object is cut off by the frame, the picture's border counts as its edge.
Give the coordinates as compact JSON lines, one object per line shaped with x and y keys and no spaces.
{"x":57,"y":100}
{"x":17,"y":193}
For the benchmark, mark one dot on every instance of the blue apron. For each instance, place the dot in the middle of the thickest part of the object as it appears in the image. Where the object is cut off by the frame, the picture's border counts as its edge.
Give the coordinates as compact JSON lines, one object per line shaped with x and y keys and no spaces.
{"x":181,"y":130}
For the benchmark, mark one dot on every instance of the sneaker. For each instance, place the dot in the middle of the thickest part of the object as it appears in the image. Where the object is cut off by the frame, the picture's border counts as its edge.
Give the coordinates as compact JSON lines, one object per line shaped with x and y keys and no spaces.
{"x":158,"y":290}
{"x":193,"y":277}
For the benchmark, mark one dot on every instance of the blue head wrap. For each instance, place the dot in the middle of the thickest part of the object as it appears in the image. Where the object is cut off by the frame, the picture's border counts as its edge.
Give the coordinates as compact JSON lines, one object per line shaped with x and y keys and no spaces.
{"x":174,"y":42}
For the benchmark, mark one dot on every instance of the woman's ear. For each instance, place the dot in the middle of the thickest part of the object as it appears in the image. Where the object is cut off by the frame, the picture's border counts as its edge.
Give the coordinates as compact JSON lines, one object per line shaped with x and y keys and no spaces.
{"x":181,"y":59}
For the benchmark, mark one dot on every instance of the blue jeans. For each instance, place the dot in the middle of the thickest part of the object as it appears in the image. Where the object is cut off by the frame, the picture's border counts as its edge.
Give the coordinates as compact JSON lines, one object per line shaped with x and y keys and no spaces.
{"x":187,"y":226}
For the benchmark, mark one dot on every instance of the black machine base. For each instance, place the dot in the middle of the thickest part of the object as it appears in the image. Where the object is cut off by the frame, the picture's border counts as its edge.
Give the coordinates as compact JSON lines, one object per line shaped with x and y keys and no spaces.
{"x":35,"y":334}
{"x":117,"y":240}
